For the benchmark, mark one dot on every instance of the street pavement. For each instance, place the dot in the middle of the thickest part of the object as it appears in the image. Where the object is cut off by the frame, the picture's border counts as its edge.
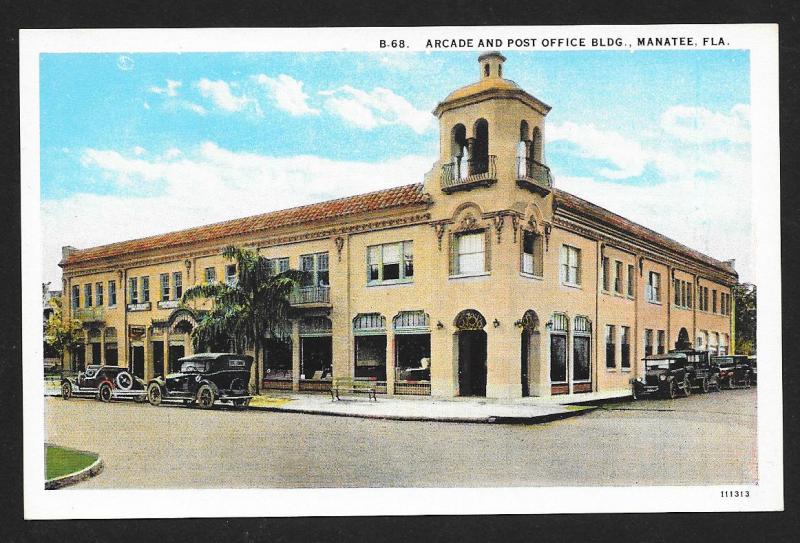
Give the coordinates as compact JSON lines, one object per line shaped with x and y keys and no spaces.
{"x":700,"y":440}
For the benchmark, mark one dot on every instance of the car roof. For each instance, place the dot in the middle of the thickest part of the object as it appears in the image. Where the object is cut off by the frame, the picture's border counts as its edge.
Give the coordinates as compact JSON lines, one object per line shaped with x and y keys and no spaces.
{"x":210,"y":356}
{"x":666,"y":356}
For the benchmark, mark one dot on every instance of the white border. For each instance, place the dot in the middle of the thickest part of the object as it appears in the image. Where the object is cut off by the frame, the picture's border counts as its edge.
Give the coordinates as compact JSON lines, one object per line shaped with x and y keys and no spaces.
{"x":762,"y":42}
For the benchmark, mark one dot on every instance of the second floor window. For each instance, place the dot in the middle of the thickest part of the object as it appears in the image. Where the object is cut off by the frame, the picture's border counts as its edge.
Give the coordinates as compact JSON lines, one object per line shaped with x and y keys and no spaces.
{"x":611,"y":347}
{"x":278,"y":265}
{"x":661,"y":341}
{"x":653,"y":293}
{"x":713,"y":301}
{"x":570,"y":265}
{"x":87,"y":295}
{"x":177,"y":284}
{"x":316,"y":268}
{"x":164,"y":287}
{"x":618,"y":276}
{"x":133,"y":291}
{"x":98,"y":293}
{"x":648,"y":342}
{"x":469,"y":253}
{"x":112,"y":293}
{"x":76,"y":297}
{"x":230,"y":274}
{"x":532,"y":258}
{"x":606,"y":274}
{"x":211,"y":275}
{"x":390,"y":262}
{"x":630,"y":279}
{"x":145,"y":289}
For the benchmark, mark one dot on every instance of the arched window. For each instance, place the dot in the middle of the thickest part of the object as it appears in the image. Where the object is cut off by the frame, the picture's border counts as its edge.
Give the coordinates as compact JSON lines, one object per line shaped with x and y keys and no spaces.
{"x":479,"y":162}
{"x":469,"y":319}
{"x":522,"y":150}
{"x":486,"y":70}
{"x":459,"y":155}
{"x":536,"y":145}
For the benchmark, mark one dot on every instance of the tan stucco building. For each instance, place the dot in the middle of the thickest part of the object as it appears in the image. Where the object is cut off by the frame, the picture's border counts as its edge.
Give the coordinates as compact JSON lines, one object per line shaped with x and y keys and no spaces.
{"x":485,"y":279}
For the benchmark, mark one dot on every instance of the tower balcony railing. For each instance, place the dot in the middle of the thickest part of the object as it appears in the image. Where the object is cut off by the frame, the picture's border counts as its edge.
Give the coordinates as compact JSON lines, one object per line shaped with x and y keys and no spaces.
{"x":89,"y":314}
{"x":311,"y":296}
{"x":533,"y":175}
{"x":469,"y":174}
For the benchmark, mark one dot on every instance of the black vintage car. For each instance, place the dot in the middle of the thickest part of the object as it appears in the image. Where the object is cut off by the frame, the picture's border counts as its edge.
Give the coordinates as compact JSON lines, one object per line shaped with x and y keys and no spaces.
{"x":104,"y":383}
{"x":664,"y":374}
{"x":753,"y":369}
{"x":734,"y":370}
{"x":704,"y":375}
{"x":204,"y":379}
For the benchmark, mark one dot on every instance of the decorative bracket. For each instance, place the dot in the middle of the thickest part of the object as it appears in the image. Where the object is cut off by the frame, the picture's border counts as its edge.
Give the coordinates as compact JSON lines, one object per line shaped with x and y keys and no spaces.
{"x":339,"y":241}
{"x":440,"y":228}
{"x":548,"y":228}
{"x":515,"y":225}
{"x":499,"y":220}
{"x":641,"y":266}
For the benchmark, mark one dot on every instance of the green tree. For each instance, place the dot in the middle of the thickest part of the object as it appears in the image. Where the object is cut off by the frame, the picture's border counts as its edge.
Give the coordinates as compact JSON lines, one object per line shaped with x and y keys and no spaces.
{"x":252,"y":308}
{"x":745,"y":298}
{"x":61,"y":333}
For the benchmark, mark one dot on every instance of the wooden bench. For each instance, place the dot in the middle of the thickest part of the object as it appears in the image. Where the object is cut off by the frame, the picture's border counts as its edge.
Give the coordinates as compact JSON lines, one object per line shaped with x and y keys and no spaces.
{"x":350,"y":386}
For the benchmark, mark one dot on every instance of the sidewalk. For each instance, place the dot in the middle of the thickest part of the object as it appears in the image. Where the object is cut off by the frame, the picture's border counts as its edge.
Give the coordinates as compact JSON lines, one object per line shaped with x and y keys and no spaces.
{"x":472,"y":410}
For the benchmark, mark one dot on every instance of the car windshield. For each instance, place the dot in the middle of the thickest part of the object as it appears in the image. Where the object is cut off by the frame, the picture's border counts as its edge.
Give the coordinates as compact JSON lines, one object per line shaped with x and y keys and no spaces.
{"x":189,"y":366}
{"x":657,"y":364}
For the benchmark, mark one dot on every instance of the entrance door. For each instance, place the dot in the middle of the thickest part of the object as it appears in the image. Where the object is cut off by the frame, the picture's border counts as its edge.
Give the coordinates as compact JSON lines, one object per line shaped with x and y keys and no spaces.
{"x":472,"y":363}
{"x":175,"y":352}
{"x":525,"y":362}
{"x":137,"y":361}
{"x":315,"y":357}
{"x":96,"y":353}
{"x":158,"y":358}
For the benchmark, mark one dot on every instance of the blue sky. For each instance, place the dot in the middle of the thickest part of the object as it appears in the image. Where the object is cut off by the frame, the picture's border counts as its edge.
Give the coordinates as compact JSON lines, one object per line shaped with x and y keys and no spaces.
{"x":137,"y":144}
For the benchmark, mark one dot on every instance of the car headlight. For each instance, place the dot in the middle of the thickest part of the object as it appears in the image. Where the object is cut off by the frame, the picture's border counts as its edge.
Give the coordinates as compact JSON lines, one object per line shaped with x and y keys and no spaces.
{"x":662,"y":377}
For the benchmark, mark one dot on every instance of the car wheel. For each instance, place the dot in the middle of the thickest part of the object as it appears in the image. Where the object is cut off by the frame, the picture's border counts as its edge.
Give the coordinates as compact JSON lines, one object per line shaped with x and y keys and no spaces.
{"x":672,"y":391}
{"x":747,"y":382}
{"x":205,"y":397}
{"x":704,"y":386}
{"x":634,"y":393}
{"x":731,"y":383}
{"x":66,"y":391}
{"x":716,"y":384}
{"x":687,"y":386}
{"x":104,"y":392}
{"x":154,"y":395}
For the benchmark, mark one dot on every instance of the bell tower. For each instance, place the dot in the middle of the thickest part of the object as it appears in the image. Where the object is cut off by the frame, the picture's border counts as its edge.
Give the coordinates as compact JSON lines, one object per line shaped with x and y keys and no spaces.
{"x":491,"y":139}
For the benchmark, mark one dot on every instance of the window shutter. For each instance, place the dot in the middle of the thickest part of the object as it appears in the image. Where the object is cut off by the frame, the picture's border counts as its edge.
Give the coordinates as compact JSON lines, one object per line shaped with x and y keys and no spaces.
{"x":453,"y":254}
{"x":487,"y":251}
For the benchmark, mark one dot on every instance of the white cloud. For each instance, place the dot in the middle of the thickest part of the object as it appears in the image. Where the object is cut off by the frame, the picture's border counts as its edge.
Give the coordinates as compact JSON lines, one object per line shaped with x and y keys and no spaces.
{"x":191,"y":106}
{"x":171,"y":88}
{"x":625,"y":154}
{"x":138,"y":151}
{"x":287,"y":94}
{"x":700,"y":125}
{"x":368,"y":110}
{"x":222,"y":96}
{"x":190,"y":187}
{"x":146,"y":105}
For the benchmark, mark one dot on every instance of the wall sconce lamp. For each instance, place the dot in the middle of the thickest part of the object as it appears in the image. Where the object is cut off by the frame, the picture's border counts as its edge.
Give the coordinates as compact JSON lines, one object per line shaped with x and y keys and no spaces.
{"x":549,"y":324}
{"x":496,"y":323}
{"x":439,"y":325}
{"x":518,"y":323}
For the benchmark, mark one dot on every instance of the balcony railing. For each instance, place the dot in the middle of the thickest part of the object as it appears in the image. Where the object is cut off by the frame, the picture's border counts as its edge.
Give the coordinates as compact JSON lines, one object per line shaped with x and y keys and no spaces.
{"x":89,"y":314}
{"x":311,"y":295}
{"x":476,"y":172}
{"x":533,"y":175}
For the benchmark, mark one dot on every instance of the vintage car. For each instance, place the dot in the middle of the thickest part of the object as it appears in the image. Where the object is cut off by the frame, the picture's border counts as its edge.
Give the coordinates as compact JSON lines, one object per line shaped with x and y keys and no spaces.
{"x":703,"y":374}
{"x":104,"y":383}
{"x":734,"y":370}
{"x":753,"y":370}
{"x":664,"y":374}
{"x":204,"y":379}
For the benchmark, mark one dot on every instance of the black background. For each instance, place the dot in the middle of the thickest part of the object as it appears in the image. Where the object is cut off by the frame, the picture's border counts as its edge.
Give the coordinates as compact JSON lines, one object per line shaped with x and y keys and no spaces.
{"x":167,"y":14}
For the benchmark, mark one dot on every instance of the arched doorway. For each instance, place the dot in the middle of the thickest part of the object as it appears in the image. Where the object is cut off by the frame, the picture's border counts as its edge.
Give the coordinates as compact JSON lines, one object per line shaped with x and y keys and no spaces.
{"x":471,"y":341}
{"x":529,"y":349}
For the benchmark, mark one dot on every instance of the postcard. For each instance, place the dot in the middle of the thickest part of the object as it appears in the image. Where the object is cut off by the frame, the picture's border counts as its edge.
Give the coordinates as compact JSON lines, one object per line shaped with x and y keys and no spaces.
{"x":400,"y":271}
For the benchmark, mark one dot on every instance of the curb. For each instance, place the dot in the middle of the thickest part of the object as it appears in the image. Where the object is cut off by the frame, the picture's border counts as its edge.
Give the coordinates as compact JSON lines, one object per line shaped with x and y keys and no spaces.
{"x":71,"y":478}
{"x":540,"y":419}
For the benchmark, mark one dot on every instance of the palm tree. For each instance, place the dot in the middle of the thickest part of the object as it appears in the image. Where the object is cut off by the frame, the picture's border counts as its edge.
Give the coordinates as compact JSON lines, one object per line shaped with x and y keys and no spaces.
{"x":252,"y":307}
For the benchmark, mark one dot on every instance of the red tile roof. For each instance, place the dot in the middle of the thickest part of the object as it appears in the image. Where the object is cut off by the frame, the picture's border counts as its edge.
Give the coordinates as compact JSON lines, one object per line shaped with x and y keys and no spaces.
{"x":405,"y":195}
{"x":583,"y":207}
